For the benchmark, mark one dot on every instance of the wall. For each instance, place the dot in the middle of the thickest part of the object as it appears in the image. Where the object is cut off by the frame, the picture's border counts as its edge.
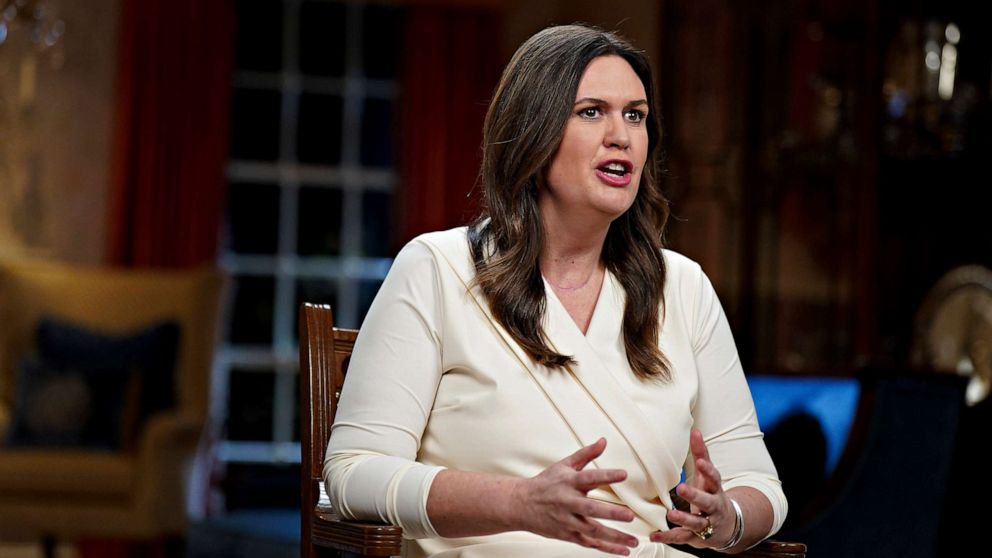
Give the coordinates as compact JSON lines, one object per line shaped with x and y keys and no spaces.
{"x":55,"y":138}
{"x":61,"y":139}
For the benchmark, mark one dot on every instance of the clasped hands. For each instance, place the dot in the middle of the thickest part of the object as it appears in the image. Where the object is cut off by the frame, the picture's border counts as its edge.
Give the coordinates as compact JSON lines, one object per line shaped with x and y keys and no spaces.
{"x":555,"y":504}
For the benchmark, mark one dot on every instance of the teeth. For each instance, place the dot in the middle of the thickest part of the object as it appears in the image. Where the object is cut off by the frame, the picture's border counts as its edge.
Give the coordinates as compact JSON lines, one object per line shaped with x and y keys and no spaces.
{"x":614,"y":168}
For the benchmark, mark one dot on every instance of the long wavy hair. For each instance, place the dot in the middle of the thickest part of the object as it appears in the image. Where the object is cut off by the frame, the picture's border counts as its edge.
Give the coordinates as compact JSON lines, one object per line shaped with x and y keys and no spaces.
{"x":523,"y":128}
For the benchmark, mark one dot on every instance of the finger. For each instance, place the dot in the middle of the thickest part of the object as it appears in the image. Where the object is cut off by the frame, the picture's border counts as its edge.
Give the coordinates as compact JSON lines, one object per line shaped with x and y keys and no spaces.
{"x":589,"y":479}
{"x":587,"y":507}
{"x":697,"y":445}
{"x":581,"y":458}
{"x":690,"y":521}
{"x":602,"y":546}
{"x":700,"y":500}
{"x":699,"y":451}
{"x":678,"y":535}
{"x":605,"y":536}
{"x":707,"y":476}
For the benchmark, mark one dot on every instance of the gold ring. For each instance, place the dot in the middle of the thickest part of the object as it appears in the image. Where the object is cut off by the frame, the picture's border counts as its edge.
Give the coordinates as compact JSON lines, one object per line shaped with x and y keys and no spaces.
{"x":706,"y":533}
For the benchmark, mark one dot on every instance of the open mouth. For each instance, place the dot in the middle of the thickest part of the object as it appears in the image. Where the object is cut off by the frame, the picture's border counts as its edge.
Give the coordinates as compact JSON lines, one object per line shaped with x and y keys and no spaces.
{"x":616,"y":168}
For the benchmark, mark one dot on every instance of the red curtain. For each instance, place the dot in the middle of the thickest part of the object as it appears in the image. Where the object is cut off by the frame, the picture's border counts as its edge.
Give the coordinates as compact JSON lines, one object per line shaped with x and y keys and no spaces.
{"x":167,"y":186}
{"x":450,"y":69}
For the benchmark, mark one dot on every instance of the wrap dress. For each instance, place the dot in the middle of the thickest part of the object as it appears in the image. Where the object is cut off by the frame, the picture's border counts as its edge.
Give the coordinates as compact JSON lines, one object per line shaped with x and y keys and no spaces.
{"x":436,"y":382}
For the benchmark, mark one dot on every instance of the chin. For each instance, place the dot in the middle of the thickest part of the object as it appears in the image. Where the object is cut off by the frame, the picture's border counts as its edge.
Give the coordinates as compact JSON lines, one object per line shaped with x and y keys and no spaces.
{"x":616,"y":207}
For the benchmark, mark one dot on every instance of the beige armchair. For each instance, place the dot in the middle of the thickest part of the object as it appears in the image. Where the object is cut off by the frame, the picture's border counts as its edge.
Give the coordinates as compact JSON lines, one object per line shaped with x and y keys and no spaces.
{"x":137,"y":493}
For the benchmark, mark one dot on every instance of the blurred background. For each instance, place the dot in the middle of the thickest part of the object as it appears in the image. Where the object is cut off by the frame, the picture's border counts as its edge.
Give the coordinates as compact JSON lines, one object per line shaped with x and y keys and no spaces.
{"x":827,"y":165}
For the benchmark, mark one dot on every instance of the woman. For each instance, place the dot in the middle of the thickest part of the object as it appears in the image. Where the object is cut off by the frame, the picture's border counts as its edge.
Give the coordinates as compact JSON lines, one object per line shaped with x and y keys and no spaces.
{"x":534,"y":384}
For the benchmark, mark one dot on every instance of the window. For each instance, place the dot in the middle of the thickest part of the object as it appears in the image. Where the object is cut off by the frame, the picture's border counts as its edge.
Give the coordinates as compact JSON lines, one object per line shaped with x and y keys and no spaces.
{"x":310,"y":187}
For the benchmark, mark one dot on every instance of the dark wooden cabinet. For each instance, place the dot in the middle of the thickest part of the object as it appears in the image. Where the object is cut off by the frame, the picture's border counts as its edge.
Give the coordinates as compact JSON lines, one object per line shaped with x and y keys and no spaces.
{"x":818,"y":171}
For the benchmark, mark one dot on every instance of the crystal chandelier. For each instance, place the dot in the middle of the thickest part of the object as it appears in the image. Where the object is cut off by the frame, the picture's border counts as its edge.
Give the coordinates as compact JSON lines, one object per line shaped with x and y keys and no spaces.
{"x":38,"y":19}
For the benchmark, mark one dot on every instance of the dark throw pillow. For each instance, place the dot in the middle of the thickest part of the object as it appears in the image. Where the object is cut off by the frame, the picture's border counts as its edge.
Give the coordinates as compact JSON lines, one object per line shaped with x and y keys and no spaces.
{"x":106,"y":385}
{"x":68,"y":407}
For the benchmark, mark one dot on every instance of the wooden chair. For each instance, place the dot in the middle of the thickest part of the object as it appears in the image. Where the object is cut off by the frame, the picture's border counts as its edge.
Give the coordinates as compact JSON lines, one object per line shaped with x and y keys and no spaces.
{"x":324,"y":354}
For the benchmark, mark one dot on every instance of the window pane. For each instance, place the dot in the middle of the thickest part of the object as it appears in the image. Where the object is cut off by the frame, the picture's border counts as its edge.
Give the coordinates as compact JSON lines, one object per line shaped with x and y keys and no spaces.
{"x":255,"y":124}
{"x":319,"y":223}
{"x":249,"y":405}
{"x":255,"y":212}
{"x":253,"y":218}
{"x":376,"y":221}
{"x":317,"y":291}
{"x":251,"y":323}
{"x":318,"y":132}
{"x":322,"y":39}
{"x":259,"y":35}
{"x":296,"y":409}
{"x":366,"y":294}
{"x":382,"y":35}
{"x":377,"y":133}
{"x":265,"y":488}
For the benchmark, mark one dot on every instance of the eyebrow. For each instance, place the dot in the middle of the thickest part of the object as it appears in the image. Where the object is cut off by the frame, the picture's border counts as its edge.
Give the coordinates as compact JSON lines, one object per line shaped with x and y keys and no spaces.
{"x":602,"y":102}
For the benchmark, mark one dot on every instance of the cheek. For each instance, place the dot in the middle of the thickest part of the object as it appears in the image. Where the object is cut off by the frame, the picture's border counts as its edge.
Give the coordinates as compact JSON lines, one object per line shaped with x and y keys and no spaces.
{"x":558,"y":172}
{"x":565,"y":158}
{"x":580,"y":141}
{"x":638,"y":178}
{"x":642,"y":147}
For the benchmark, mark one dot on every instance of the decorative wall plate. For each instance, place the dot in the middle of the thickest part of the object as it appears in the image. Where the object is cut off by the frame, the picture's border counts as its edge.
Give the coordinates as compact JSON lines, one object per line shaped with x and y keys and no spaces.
{"x":954,"y":328}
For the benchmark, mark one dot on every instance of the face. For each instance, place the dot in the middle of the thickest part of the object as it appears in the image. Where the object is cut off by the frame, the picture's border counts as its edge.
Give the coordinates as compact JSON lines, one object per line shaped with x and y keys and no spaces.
{"x":597,"y":169}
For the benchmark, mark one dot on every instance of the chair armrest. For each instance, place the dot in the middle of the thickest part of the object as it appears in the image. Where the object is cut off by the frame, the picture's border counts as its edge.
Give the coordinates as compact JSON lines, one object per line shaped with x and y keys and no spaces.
{"x":167,"y":444}
{"x":776,"y":549}
{"x":4,"y":421}
{"x":363,"y":538}
{"x":378,"y":539}
{"x":765,"y":549}
{"x":167,"y":433}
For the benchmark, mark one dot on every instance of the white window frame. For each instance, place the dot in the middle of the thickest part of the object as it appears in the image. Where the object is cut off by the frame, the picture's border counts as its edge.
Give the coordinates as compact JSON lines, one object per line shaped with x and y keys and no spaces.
{"x":286,"y":266}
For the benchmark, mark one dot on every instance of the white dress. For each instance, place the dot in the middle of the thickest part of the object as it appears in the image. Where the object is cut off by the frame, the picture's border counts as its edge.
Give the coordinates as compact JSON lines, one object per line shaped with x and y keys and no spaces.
{"x":435,"y":382}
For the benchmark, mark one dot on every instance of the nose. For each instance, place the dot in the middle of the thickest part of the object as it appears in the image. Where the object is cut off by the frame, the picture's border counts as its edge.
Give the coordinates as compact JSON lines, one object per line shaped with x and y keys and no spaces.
{"x":616,"y":133}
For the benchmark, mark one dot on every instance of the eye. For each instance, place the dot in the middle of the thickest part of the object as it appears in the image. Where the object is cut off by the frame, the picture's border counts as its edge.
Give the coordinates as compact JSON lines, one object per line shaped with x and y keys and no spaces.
{"x":589,"y":112}
{"x":634,"y":115}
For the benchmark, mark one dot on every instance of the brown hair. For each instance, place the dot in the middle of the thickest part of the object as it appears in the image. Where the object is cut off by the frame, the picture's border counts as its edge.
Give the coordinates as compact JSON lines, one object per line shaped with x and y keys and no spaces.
{"x":522,"y":131}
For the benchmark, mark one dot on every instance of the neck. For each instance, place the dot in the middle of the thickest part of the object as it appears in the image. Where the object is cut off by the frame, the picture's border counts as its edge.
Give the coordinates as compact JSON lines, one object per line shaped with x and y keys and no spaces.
{"x":572,"y":252}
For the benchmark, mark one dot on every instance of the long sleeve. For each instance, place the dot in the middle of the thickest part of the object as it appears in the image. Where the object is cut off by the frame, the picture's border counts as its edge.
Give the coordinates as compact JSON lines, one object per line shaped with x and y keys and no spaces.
{"x":370,"y":468}
{"x":724,"y":411}
{"x":432,"y":384}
